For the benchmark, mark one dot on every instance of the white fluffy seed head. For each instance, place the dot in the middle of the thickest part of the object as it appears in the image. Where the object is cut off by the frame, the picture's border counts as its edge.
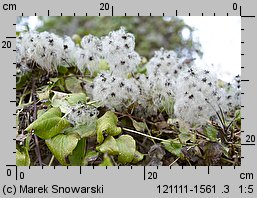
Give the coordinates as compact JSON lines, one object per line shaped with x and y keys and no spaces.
{"x":196,"y":96}
{"x":118,"y":50}
{"x":118,"y":41}
{"x":82,"y":114}
{"x":114,"y":92}
{"x":69,"y":50}
{"x":90,"y":54}
{"x":164,"y":62}
{"x":87,"y":59}
{"x":46,"y":49}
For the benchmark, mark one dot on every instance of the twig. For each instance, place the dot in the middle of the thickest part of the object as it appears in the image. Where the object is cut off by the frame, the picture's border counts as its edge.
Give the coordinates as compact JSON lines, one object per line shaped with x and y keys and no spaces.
{"x":202,"y":136}
{"x":174,"y":161}
{"x":37,"y":150}
{"x":227,"y":160}
{"x":149,"y":136}
{"x":51,"y":160}
{"x":134,"y":117}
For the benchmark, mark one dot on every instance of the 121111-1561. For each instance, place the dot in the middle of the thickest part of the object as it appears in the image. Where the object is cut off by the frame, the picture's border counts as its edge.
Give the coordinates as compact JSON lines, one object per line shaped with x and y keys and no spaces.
{"x":184,"y":189}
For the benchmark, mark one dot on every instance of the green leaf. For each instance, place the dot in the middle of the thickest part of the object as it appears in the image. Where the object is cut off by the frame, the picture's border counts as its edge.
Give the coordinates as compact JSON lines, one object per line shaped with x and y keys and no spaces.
{"x":211,"y":133}
{"x":173,"y":146}
{"x":184,"y":137}
{"x":43,"y":94}
{"x":22,"y":157}
{"x":139,"y":126}
{"x":237,"y":116}
{"x":22,"y":152}
{"x":100,"y":137}
{"x":137,"y":157}
{"x":106,"y":162}
{"x":76,"y":98}
{"x":62,"y":145}
{"x":73,"y":85}
{"x":40,"y":112}
{"x":127,"y":148}
{"x":78,"y":154}
{"x":82,"y":130}
{"x":22,"y":81}
{"x":107,"y":123}
{"x":168,"y":105}
{"x":109,"y":146}
{"x":64,"y":101}
{"x":60,"y":103}
{"x":186,"y":134}
{"x":54,"y":80}
{"x":90,"y":156}
{"x":62,"y":70}
{"x":49,"y":124}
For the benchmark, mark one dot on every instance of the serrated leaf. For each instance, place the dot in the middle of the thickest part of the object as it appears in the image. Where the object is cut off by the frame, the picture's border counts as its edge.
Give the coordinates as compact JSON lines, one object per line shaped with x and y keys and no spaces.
{"x":127,"y":148}
{"x":78,"y":154}
{"x":49,"y":124}
{"x":109,"y":146}
{"x":211,"y":133}
{"x":106,"y":161}
{"x":108,"y":124}
{"x":137,"y":157}
{"x":173,"y":146}
{"x":22,"y":158}
{"x":62,"y":145}
{"x":139,"y":126}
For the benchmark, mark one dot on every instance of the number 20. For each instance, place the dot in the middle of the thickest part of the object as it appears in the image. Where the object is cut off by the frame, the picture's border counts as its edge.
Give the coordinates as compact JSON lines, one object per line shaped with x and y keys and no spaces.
{"x":104,"y":6}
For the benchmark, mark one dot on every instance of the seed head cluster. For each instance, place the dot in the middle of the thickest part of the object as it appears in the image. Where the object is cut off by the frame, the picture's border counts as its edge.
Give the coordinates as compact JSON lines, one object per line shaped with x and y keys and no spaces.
{"x":45,"y":49}
{"x":117,"y":49}
{"x":171,"y":84}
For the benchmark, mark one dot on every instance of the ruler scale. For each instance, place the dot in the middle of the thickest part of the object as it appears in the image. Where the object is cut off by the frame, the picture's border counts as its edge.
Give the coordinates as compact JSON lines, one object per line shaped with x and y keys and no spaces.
{"x":129,"y":181}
